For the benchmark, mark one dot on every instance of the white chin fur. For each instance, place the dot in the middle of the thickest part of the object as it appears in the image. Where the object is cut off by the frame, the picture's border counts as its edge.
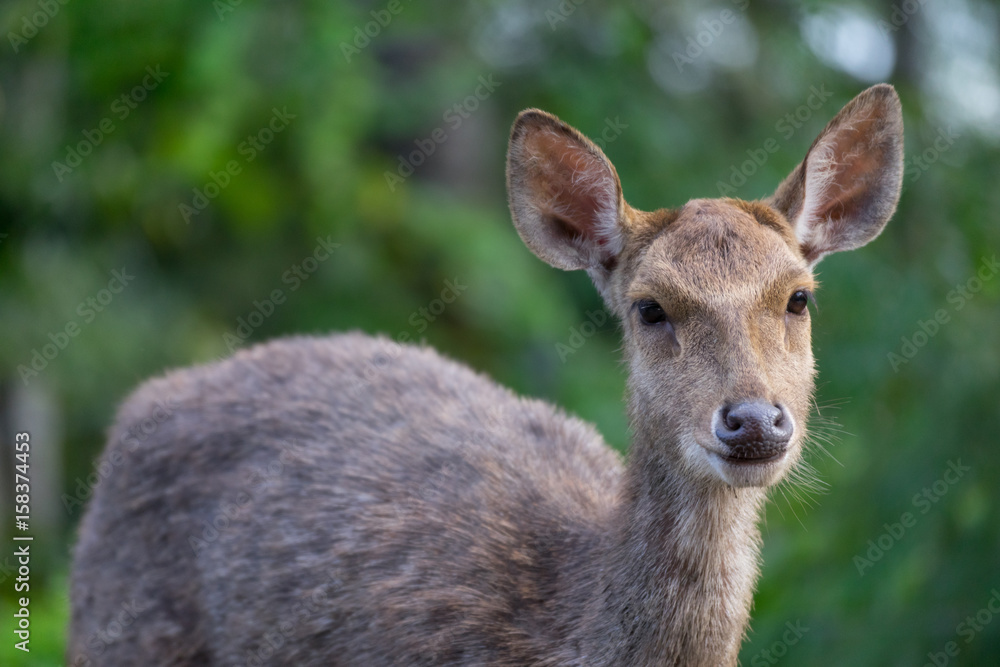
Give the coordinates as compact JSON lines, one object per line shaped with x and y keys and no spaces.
{"x":748,"y":474}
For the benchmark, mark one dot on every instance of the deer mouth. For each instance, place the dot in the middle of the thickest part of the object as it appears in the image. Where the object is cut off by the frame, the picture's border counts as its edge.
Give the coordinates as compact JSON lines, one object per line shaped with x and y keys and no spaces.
{"x":755,"y":452}
{"x":755,"y":458}
{"x":752,"y":464}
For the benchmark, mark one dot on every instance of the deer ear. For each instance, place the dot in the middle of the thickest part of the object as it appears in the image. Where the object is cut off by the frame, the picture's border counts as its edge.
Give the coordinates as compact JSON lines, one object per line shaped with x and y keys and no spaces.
{"x":565,"y":197}
{"x":846,"y":189}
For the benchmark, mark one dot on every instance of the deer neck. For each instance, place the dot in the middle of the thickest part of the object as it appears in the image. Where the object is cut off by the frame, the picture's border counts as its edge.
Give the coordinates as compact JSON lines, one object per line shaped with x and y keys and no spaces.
{"x":678,"y":573}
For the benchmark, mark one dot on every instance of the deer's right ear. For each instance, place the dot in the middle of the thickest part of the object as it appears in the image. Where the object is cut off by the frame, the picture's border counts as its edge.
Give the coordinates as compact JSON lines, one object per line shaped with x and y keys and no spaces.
{"x":565,"y":197}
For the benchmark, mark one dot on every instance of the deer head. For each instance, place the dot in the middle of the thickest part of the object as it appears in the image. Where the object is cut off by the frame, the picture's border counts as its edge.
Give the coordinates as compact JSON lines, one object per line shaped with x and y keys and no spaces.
{"x":713,"y":296}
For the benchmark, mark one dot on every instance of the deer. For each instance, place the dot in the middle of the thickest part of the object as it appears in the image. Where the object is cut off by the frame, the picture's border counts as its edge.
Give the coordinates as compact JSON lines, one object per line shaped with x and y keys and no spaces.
{"x":350,"y":500}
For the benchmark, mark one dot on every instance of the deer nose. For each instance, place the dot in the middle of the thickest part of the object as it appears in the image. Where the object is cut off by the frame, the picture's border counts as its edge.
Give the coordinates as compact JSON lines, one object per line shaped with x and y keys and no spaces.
{"x":754,"y":430}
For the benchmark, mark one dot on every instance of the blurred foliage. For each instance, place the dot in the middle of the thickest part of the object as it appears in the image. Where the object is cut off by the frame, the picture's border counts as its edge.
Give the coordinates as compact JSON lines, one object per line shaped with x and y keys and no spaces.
{"x":157,"y":101}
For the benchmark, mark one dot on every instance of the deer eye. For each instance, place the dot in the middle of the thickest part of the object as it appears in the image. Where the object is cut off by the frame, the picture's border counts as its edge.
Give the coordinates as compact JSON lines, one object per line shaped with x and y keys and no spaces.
{"x":650,"y":312}
{"x":798,"y":302}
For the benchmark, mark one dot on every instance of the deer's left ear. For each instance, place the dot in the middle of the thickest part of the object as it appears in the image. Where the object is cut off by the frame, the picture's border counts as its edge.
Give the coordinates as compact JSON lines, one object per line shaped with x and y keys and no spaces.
{"x":844,"y":192}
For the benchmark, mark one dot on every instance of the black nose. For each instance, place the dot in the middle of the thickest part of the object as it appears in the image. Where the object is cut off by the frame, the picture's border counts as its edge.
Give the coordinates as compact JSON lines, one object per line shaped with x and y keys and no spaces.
{"x":754,"y":430}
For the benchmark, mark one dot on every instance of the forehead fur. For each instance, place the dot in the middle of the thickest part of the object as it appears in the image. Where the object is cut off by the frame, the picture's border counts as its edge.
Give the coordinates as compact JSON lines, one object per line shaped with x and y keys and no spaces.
{"x":710,"y":245}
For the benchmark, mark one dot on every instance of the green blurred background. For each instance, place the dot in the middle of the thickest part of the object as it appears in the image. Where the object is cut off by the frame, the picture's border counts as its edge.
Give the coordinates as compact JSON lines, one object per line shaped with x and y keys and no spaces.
{"x":381,"y":127}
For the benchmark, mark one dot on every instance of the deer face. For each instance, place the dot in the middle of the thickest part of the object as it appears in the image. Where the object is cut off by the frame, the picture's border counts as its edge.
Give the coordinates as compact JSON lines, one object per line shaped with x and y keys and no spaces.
{"x":713,"y":296}
{"x":717,"y":337}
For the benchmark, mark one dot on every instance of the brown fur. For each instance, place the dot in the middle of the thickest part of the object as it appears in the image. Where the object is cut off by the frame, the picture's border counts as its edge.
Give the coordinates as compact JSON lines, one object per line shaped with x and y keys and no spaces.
{"x":349,"y":501}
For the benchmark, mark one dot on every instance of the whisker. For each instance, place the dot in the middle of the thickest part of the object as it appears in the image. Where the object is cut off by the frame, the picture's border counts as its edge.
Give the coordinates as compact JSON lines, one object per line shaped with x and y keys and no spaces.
{"x":803,"y":484}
